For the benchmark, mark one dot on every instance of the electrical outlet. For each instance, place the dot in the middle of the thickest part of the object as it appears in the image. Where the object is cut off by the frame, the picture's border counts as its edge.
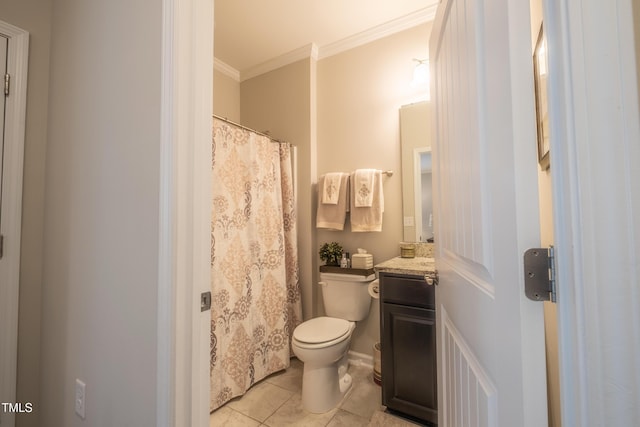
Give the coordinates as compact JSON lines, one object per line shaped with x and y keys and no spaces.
{"x":80,"y":397}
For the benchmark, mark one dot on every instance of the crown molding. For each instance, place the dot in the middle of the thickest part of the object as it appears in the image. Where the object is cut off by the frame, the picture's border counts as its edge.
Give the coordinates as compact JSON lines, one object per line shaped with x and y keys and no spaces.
{"x":311,"y":50}
{"x":411,"y":20}
{"x":226,"y":69}
{"x":308,"y":51}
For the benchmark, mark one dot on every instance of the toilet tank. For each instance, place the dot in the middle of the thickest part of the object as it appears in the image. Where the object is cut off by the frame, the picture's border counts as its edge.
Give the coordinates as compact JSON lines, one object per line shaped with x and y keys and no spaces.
{"x":346,"y":296}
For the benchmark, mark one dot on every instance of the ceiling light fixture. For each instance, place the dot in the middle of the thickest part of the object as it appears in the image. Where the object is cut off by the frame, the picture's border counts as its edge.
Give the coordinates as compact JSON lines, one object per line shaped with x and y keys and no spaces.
{"x":420,"y":73}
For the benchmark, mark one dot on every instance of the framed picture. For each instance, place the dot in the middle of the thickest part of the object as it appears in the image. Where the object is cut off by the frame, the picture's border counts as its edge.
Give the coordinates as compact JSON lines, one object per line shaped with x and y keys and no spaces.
{"x":540,"y":71}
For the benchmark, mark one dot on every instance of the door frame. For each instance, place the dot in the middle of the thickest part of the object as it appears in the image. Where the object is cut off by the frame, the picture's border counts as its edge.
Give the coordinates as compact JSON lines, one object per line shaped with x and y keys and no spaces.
{"x":187,"y":54}
{"x":593,"y":217}
{"x":10,"y":228}
{"x":183,"y":331}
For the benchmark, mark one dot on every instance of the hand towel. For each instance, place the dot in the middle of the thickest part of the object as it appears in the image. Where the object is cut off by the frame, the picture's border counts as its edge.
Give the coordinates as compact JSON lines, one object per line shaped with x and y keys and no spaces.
{"x":363,"y":181}
{"x":368,"y":218}
{"x":333,"y":216}
{"x":331,"y":188}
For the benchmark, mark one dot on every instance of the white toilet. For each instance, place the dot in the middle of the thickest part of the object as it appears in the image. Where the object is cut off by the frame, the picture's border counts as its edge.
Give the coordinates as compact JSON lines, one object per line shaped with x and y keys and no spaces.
{"x":322,"y":343}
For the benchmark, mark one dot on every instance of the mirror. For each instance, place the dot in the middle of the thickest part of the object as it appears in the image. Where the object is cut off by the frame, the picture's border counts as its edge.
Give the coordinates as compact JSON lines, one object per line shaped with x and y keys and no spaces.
{"x":417,"y":201}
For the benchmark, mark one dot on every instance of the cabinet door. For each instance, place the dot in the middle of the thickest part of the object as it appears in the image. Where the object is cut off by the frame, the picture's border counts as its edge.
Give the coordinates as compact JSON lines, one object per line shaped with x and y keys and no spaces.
{"x":409,"y":361}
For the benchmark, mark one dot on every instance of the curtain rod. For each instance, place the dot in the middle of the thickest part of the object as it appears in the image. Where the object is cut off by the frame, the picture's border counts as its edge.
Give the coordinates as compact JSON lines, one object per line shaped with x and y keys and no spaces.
{"x":224,"y":119}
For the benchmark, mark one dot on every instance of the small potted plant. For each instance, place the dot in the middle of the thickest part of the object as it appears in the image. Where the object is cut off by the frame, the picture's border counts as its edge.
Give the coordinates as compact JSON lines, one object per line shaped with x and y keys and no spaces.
{"x":331,"y":253}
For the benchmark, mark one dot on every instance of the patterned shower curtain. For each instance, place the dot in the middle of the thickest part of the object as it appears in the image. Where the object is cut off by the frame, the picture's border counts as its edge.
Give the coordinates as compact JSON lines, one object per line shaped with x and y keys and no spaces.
{"x":256,"y":301}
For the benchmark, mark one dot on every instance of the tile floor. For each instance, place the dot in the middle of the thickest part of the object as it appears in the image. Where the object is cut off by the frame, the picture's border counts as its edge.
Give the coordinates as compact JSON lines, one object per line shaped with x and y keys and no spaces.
{"x":276,"y":401}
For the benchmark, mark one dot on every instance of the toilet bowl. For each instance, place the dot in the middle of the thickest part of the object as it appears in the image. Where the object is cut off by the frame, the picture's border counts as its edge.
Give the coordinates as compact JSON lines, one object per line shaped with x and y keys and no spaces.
{"x":322,"y":343}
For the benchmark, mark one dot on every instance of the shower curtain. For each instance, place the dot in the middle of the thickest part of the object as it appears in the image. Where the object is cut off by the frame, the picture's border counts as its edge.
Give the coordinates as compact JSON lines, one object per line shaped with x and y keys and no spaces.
{"x":256,"y":300}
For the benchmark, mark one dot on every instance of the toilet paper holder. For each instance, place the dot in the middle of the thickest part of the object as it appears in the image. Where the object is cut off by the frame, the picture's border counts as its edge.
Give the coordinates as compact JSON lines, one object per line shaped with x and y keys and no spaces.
{"x":374,"y":289}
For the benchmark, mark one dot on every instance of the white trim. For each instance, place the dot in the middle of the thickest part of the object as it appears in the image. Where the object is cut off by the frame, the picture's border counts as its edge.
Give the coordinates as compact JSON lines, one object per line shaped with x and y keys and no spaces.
{"x":411,"y":20}
{"x":596,"y":238}
{"x":475,"y":274}
{"x":166,"y":388}
{"x":15,"y":120}
{"x":360,"y":359}
{"x":313,"y":51}
{"x":184,"y":249}
{"x":226,"y":69}
{"x":308,"y":51}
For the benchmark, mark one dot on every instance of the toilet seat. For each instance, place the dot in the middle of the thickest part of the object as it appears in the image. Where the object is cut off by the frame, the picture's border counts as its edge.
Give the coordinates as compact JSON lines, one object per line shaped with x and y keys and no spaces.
{"x":322,"y":332}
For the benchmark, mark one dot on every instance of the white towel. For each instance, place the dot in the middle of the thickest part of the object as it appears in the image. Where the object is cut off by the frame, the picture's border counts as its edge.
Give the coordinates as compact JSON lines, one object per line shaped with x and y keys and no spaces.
{"x":333,"y":216}
{"x":363,"y":185}
{"x":331,"y":188}
{"x":368,"y":218}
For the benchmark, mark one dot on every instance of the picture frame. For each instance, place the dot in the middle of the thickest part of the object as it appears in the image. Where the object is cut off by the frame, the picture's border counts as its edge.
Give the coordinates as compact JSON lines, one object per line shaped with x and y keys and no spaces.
{"x":540,"y":74}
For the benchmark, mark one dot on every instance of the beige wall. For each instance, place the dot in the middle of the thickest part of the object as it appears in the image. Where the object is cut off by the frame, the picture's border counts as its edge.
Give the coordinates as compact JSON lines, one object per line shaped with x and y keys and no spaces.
{"x":546,"y":239}
{"x":281,"y":102}
{"x":33,"y":16}
{"x":360,"y":92}
{"x":226,"y":96}
{"x":100,"y":274}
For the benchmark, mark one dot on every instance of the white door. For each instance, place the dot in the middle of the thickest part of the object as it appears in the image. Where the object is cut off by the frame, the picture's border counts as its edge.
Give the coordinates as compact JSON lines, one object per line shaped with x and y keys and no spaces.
{"x":14,"y":44}
{"x":490,"y":337}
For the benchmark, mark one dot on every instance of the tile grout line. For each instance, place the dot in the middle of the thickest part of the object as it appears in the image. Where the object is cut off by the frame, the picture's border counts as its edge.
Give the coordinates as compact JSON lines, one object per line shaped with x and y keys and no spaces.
{"x":281,"y":405}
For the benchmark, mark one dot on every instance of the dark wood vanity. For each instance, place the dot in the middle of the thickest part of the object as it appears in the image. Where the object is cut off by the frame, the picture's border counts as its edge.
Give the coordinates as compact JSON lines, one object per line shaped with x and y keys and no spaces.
{"x":408,"y":334}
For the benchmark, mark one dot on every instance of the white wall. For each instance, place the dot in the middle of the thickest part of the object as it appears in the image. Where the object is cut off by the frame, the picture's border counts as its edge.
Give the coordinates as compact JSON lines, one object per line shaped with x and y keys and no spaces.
{"x":33,"y":16}
{"x":101,"y":213}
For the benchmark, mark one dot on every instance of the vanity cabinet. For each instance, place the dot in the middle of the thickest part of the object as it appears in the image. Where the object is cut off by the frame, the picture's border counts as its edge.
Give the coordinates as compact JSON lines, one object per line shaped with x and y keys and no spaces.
{"x":408,"y":333}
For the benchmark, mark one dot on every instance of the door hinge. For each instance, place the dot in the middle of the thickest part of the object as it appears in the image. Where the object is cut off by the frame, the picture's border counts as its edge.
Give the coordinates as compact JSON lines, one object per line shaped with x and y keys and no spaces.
{"x":540,"y":274}
{"x":1,"y":245}
{"x":7,"y":83}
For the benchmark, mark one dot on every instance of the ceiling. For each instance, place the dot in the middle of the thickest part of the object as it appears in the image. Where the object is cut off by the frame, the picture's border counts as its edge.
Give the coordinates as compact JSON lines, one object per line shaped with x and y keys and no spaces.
{"x":251,"y":32}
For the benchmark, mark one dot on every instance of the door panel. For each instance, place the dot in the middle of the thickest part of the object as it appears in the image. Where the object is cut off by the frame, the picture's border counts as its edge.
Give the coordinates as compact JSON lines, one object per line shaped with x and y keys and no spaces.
{"x":490,"y":338}
{"x":409,"y":368}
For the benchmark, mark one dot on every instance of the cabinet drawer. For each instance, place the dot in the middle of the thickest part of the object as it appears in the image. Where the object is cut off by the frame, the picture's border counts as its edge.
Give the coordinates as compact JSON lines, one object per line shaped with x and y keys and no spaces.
{"x":406,"y":290}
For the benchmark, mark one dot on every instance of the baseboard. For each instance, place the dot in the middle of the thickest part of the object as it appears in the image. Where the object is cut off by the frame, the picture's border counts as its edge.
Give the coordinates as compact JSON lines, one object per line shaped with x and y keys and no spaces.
{"x":360,"y":359}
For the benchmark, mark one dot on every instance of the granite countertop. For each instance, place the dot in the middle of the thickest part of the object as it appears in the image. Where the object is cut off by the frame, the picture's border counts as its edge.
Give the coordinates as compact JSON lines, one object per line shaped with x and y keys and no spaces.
{"x":418,"y":266}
